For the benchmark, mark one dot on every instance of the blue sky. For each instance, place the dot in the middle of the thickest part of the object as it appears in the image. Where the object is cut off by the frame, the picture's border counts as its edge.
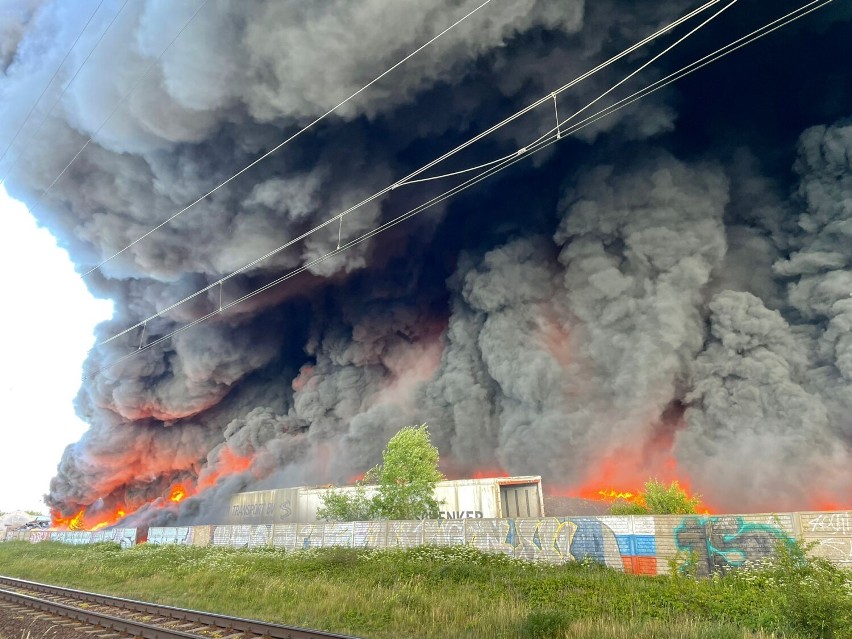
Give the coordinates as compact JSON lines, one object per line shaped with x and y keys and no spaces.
{"x":47,"y":324}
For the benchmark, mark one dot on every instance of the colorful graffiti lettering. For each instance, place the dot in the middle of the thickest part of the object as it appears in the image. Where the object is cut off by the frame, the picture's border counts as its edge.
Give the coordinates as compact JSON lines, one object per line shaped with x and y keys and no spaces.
{"x":646,"y":545}
{"x":721,"y":543}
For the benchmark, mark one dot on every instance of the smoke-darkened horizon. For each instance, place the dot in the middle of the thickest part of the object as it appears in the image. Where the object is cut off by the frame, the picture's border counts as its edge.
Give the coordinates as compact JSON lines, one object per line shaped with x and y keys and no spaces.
{"x":665,"y":293}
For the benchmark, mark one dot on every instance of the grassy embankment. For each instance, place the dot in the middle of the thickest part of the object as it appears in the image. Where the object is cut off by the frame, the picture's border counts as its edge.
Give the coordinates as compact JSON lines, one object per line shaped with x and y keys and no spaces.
{"x":453,"y":592}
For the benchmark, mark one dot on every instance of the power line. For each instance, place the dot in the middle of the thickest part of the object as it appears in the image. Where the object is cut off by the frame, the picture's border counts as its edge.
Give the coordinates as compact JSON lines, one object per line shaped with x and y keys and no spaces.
{"x":288,"y":140}
{"x":49,"y":82}
{"x":651,"y":61}
{"x":123,"y":99}
{"x":408,"y":178}
{"x":590,"y":104}
{"x":755,"y":35}
{"x":545,"y":141}
{"x":61,"y":95}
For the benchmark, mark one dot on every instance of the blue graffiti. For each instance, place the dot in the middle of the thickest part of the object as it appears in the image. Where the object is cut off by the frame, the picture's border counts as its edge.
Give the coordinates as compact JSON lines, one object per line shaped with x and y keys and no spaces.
{"x":720,"y":543}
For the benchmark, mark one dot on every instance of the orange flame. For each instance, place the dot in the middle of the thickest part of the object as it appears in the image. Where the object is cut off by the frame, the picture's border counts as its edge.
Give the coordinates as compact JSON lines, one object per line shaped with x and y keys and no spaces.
{"x":622,"y":476}
{"x":228,"y":463}
{"x":178,"y":493}
{"x":612,"y":495}
{"x":95,"y":518}
{"x":117,"y":516}
{"x":68,"y":523}
{"x":84,"y":521}
{"x":488,"y":473}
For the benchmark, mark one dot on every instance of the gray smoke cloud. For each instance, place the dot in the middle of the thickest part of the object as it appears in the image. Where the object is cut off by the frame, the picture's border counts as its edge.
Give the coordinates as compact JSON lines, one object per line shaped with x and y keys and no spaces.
{"x":750,"y":395}
{"x":577,"y":348}
{"x":659,"y":295}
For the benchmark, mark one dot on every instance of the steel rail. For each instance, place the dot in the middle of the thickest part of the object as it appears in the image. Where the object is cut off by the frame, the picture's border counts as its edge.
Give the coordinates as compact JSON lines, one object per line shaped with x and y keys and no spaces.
{"x":143,"y":630}
{"x":108,"y":622}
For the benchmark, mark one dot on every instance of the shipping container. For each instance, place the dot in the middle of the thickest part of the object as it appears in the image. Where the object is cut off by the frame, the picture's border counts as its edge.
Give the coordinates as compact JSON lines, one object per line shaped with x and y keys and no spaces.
{"x":487,"y":498}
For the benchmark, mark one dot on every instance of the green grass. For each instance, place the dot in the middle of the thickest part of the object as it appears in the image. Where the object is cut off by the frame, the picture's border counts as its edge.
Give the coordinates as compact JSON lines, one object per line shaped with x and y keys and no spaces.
{"x":431,"y":592}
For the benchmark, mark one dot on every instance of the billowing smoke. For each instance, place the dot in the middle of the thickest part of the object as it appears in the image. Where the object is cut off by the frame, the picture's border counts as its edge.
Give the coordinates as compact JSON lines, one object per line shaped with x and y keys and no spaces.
{"x":667,"y":293}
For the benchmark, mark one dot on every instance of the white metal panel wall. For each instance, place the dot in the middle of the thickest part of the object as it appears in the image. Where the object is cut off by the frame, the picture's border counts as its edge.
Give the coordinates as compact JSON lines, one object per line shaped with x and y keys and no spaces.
{"x":463,"y":500}
{"x":459,"y":499}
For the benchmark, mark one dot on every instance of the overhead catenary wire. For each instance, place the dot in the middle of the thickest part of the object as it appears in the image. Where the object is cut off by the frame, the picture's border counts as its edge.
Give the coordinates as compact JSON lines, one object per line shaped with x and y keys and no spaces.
{"x":653,"y":59}
{"x":49,"y":82}
{"x":603,"y":65}
{"x":729,"y":48}
{"x":548,"y":138}
{"x":118,"y":105}
{"x":289,"y":139}
{"x":408,"y":179}
{"x":593,"y":102}
{"x":544,"y":142}
{"x":651,"y":88}
{"x":62,"y":94}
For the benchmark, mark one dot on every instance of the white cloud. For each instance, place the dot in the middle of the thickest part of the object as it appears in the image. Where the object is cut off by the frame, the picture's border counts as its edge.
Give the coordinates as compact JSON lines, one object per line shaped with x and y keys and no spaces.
{"x":46,"y":327}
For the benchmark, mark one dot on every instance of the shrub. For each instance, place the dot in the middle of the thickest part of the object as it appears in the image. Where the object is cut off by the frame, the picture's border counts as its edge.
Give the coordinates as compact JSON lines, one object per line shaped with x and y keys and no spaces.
{"x":669,"y":500}
{"x":816,"y":595}
{"x":545,"y":624}
{"x":659,"y":499}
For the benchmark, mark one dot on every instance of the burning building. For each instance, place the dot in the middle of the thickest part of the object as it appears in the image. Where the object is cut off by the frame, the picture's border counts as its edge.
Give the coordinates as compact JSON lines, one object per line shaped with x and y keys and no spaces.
{"x":665,"y":292}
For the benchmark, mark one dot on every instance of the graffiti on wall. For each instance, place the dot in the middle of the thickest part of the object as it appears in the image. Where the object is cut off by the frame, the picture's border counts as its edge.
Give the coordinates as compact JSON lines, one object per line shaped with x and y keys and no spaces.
{"x":181,"y":535}
{"x":125,"y":537}
{"x":243,"y":536}
{"x":645,"y":545}
{"x":830,"y":534}
{"x":721,"y":543}
{"x":839,"y":524}
{"x":617,"y":542}
{"x":369,"y":534}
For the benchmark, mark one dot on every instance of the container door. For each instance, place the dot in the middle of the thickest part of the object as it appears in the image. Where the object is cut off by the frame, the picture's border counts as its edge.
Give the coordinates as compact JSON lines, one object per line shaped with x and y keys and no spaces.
{"x":520,"y":500}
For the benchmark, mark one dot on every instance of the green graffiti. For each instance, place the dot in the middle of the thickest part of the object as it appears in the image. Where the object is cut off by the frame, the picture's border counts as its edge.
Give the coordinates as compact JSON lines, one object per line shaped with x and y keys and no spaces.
{"x":723,"y":542}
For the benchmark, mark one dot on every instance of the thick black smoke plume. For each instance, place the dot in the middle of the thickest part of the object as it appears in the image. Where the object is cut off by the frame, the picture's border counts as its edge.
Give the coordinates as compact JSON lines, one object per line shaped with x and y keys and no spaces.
{"x":669,"y":288}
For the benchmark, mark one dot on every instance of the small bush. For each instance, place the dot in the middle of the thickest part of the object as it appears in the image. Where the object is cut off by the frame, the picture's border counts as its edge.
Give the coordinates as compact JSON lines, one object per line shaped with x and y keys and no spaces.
{"x":622,"y":507}
{"x":804,"y":595}
{"x":545,"y":624}
{"x":659,"y":499}
{"x":817,"y":595}
{"x":669,"y":500}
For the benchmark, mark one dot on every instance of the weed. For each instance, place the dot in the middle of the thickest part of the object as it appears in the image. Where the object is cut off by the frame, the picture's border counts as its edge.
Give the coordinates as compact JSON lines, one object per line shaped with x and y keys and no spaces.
{"x":543,"y":624}
{"x":458,"y":591}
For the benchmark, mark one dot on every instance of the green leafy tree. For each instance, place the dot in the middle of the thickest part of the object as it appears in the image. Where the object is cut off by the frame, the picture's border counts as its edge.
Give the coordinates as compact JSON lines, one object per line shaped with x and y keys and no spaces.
{"x":405,"y":483}
{"x":338,"y":505}
{"x":659,"y":499}
{"x":34,"y":513}
{"x":407,"y":476}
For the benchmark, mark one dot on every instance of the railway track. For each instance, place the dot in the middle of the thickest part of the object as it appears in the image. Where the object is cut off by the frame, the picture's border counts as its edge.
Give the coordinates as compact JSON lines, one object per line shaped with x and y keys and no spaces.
{"x":138,"y":619}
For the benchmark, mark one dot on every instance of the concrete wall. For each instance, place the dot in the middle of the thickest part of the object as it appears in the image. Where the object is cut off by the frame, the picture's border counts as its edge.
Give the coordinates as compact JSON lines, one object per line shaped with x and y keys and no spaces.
{"x":647,"y":545}
{"x":125,"y":536}
{"x":637,"y":544}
